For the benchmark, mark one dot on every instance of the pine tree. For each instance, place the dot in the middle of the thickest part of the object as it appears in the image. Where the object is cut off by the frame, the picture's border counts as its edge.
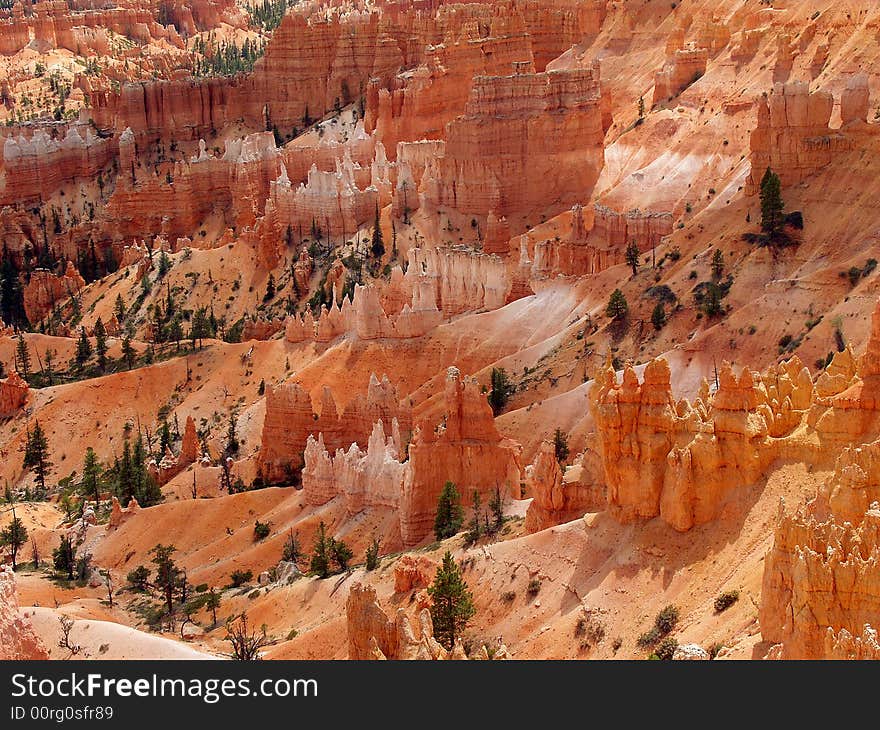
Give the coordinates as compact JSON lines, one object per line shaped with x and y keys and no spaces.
{"x":320,"y":563}
{"x":212,"y":603}
{"x":372,"y":557}
{"x":124,"y":475}
{"x":128,"y":351}
{"x":101,"y":344}
{"x":641,"y":109}
{"x":377,"y":247}
{"x":501,"y":390}
{"x":560,"y":445}
{"x":22,"y":357}
{"x":617,"y":307}
{"x":632,"y":256}
{"x":270,"y":288}
{"x":291,"y":551}
{"x":64,"y":557}
{"x":36,"y":455}
{"x":50,"y":359}
{"x":167,"y":572}
{"x":175,"y":332}
{"x":14,"y":536}
{"x":658,"y":316}
{"x":119,"y":309}
{"x":475,"y":526}
{"x":452,"y":604}
{"x":164,"y":437}
{"x":144,"y":487}
{"x":200,"y":327}
{"x":340,"y":553}
{"x":450,"y":516}
{"x":772,"y":205}
{"x":91,"y":479}
{"x":496,"y":507}
{"x":83,"y":348}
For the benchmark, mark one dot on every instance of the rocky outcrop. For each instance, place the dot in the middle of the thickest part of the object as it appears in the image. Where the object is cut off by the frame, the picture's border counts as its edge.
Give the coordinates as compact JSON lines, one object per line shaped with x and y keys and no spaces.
{"x":685,"y":63}
{"x":170,"y":465}
{"x":13,"y":395}
{"x":413,"y":572}
{"x":18,"y":640}
{"x":290,"y":421}
{"x":683,"y":462}
{"x":465,"y":449}
{"x":365,"y":478}
{"x":792,"y":136}
{"x":558,"y":495}
{"x":821,"y":588}
{"x":374,"y":634}
{"x":518,"y":129}
{"x":119,"y":515}
{"x":44,"y":289}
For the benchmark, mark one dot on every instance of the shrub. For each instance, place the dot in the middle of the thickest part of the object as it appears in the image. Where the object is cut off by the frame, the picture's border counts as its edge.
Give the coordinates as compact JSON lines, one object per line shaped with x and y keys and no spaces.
{"x":664,"y":623}
{"x":508,"y":596}
{"x":715,"y":649}
{"x":666,"y":619}
{"x":261,"y":530}
{"x":616,"y":644}
{"x":665,"y":649}
{"x":534,"y":587}
{"x":240,"y":577}
{"x":726,"y":600}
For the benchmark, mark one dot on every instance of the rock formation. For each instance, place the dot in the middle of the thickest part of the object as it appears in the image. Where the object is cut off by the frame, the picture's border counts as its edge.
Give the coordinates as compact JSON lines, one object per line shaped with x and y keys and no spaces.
{"x":558,"y":496}
{"x":33,"y":168}
{"x":464,"y":448}
{"x":290,"y":421}
{"x":18,"y":641}
{"x":373,"y":634}
{"x":44,"y":289}
{"x":13,"y":395}
{"x":684,"y":65}
{"x":792,"y":136}
{"x":515,"y":130}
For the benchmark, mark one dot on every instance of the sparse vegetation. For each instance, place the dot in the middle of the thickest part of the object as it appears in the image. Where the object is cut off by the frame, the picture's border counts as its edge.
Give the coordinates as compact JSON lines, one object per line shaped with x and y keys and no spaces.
{"x":725,"y":600}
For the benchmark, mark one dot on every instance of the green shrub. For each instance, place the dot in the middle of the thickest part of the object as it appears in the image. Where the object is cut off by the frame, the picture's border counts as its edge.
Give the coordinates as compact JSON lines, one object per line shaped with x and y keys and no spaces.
{"x":534,"y":587}
{"x":240,"y":577}
{"x":665,"y":649}
{"x":726,"y":600}
{"x":261,"y":530}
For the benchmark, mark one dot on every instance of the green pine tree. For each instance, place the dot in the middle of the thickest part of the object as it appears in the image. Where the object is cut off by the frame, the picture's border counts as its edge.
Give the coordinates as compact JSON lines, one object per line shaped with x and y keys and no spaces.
{"x":452,"y":604}
{"x":14,"y":536}
{"x":450,"y":516}
{"x":632,"y":256}
{"x":377,"y":247}
{"x":772,"y":205}
{"x":36,"y":455}
{"x":617,"y":307}
{"x":320,"y":563}
{"x":22,"y":357}
{"x":101,"y":344}
{"x":91,"y":478}
{"x":64,"y":557}
{"x":83,"y":348}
